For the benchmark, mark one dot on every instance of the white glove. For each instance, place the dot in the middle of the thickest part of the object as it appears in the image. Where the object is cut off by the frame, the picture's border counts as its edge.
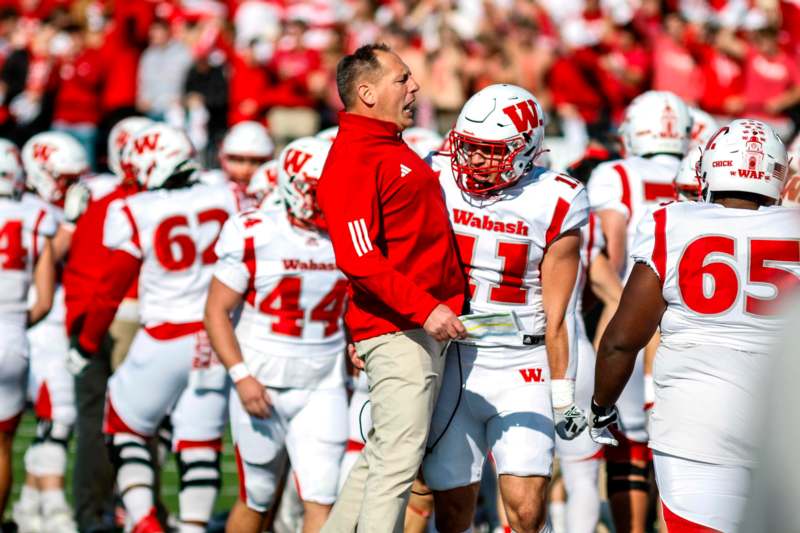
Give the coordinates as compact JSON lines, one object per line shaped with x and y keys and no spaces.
{"x":568,"y":418}
{"x":600,"y":423}
{"x":76,"y":362}
{"x":75,"y":201}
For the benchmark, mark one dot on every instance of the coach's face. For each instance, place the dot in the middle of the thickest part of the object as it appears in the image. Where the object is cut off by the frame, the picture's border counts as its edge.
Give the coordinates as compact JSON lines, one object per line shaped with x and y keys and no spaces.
{"x":395,"y":91}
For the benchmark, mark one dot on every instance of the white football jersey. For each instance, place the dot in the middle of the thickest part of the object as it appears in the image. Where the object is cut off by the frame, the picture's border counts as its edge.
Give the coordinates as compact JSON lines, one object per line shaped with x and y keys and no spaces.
{"x":290,"y":330}
{"x":723,"y":273}
{"x":631,"y":186}
{"x":174,"y":233}
{"x":24,"y":225}
{"x":592,"y":244}
{"x":502,"y":239}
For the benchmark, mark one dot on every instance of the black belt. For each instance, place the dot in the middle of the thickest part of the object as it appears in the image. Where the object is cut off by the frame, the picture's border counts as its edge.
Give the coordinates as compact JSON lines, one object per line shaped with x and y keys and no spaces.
{"x":532,"y":340}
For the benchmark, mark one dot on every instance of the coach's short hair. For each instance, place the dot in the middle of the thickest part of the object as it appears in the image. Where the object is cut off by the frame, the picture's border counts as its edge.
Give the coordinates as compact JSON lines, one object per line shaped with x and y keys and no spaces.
{"x":355,"y":66}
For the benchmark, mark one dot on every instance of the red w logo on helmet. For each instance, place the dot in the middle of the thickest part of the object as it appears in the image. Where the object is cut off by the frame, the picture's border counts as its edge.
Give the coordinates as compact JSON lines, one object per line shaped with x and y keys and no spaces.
{"x":295,"y":159}
{"x":524,"y":115}
{"x":146,"y":143}
{"x":41,"y":152}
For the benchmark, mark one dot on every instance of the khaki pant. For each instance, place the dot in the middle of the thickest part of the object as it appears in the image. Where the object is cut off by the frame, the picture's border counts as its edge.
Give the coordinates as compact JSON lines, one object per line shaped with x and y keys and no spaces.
{"x":404,"y":372}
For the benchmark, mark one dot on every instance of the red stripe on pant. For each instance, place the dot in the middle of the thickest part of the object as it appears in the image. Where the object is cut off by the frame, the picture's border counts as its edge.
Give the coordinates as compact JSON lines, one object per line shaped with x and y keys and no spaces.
{"x":678,"y":524}
{"x":240,"y":469}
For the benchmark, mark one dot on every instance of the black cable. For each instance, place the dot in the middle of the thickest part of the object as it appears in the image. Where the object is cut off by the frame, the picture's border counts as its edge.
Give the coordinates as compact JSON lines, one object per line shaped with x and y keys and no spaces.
{"x":360,"y":425}
{"x":430,"y":448}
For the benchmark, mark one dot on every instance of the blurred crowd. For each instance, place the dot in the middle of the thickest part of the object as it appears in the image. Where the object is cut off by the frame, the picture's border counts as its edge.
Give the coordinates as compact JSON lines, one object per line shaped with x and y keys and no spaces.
{"x":81,"y":65}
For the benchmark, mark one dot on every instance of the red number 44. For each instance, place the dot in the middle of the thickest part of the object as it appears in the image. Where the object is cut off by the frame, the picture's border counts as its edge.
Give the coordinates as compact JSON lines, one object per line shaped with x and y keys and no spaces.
{"x":283,"y":302}
{"x":695,"y":265}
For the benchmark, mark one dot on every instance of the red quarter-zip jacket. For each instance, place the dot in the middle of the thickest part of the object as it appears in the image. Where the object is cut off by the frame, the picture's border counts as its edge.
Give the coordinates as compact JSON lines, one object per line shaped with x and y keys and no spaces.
{"x":390,"y":231}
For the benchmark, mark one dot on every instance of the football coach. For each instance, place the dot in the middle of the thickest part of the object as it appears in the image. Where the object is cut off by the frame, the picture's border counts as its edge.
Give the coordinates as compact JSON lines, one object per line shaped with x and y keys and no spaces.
{"x":392,"y":237}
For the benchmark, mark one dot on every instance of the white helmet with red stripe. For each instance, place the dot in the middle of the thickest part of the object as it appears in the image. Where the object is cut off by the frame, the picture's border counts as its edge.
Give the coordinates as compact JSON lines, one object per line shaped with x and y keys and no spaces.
{"x":703,"y":127}
{"x":299,"y":169}
{"x":422,"y":140}
{"x":119,"y":136}
{"x":159,"y":153}
{"x":247,"y":138}
{"x":53,"y":161}
{"x":656,"y":122}
{"x":497,"y":136}
{"x":687,"y":182}
{"x":264,"y":183}
{"x":12,"y":179}
{"x":744,"y":156}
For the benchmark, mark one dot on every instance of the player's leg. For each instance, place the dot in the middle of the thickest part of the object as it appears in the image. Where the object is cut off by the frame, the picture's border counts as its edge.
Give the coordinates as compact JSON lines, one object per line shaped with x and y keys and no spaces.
{"x":583,"y":497}
{"x":701,"y":497}
{"x":525,"y":499}
{"x":316,"y":441}
{"x":360,"y":424}
{"x":13,"y":386}
{"x":627,"y":465}
{"x":198,"y":422}
{"x":260,"y":461}
{"x":420,"y":507}
{"x":457,"y":446}
{"x":140,"y":393}
{"x":46,"y":458}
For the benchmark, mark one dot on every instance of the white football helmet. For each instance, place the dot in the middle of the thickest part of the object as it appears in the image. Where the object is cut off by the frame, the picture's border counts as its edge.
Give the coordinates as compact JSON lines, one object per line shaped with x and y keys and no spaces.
{"x":121,"y":134}
{"x":328,"y":134}
{"x":299,"y":169}
{"x":794,"y":154}
{"x":158,"y":153}
{"x":503,"y":126}
{"x":53,"y":161}
{"x":744,"y":156}
{"x":422,"y":140}
{"x":687,"y":182}
{"x":656,"y":122}
{"x":703,"y":127}
{"x":247,"y":138}
{"x":264,"y":182}
{"x":12,"y":179}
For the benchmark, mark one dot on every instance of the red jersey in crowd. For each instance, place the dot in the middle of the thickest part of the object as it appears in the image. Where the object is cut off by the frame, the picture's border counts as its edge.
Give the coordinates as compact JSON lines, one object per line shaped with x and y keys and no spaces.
{"x":78,"y":96}
{"x":767,"y":77}
{"x":390,"y":230}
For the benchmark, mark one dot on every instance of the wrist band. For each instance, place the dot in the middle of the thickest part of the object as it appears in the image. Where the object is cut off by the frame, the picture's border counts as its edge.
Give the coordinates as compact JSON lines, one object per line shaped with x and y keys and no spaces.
{"x":238,"y":372}
{"x":599,"y":410}
{"x":562,"y":392}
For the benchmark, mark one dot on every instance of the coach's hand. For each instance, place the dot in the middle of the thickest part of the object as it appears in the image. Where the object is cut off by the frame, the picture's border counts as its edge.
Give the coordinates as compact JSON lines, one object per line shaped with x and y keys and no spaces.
{"x":600,"y":423}
{"x":355,"y":360}
{"x":254,"y":397}
{"x":443,"y":324}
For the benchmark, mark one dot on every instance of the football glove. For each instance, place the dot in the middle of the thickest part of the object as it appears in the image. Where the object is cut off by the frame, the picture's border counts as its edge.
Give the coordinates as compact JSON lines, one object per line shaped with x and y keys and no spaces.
{"x":600,"y":423}
{"x":570,"y":421}
{"x":77,"y":359}
{"x":75,"y":202}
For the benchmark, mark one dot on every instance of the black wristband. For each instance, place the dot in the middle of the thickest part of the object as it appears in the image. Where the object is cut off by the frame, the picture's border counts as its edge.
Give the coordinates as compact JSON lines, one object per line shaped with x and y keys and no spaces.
{"x":599,"y":410}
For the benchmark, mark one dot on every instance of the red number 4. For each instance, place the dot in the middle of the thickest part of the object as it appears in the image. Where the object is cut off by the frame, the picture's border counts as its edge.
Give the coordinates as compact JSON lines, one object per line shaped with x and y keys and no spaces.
{"x":694,"y":266}
{"x":284,"y":303}
{"x":12,"y":253}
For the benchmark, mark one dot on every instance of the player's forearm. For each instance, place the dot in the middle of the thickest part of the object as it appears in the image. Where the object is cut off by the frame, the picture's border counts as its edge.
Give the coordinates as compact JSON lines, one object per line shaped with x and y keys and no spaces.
{"x":44,"y":279}
{"x":222,"y":336}
{"x":557,"y":343}
{"x":62,"y":241}
{"x":613,"y":369}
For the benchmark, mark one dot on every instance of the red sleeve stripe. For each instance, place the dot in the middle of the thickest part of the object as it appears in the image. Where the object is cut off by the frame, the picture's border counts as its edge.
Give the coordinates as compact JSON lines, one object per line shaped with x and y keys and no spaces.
{"x":625,"y":182}
{"x":249,"y":260}
{"x":135,"y":231}
{"x":590,"y":240}
{"x":38,"y":223}
{"x":660,"y":246}
{"x":560,"y":213}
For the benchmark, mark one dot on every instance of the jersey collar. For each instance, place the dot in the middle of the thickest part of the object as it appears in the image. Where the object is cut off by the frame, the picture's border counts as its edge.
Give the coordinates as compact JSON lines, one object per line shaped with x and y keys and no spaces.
{"x":373,"y":127}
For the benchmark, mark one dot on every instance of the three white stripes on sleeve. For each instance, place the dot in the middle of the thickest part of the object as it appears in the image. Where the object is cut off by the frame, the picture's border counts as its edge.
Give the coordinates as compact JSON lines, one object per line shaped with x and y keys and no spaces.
{"x":360,"y":237}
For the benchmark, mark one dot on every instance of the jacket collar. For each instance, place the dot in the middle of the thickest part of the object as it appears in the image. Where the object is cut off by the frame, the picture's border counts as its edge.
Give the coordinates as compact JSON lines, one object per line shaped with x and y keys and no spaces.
{"x":373,"y":127}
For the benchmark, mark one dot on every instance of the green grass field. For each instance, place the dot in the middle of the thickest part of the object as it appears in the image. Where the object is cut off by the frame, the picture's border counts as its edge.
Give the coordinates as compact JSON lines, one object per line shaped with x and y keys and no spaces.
{"x":169,"y":490}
